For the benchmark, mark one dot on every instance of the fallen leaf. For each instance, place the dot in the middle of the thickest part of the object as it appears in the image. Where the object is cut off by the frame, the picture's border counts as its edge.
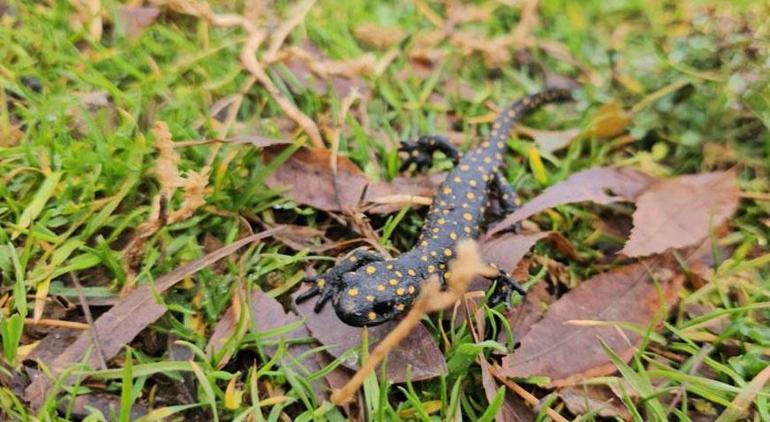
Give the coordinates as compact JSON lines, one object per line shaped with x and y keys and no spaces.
{"x":377,"y":36}
{"x":267,"y":314}
{"x":125,"y":320}
{"x":603,"y":185}
{"x":418,"y":351}
{"x":550,"y":140}
{"x":608,"y":121}
{"x":311,"y":181}
{"x":681,"y":211}
{"x":522,"y":317}
{"x":566,"y":352}
{"x":108,"y":404}
{"x":594,"y":399}
{"x":301,"y":238}
{"x":134,"y":19}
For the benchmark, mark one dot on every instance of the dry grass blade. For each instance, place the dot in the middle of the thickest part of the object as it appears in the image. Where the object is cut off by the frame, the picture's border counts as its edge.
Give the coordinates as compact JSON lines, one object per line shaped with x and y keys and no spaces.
{"x":743,"y":400}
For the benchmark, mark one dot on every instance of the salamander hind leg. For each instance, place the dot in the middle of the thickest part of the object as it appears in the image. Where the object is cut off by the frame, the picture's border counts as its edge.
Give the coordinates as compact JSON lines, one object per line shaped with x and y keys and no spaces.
{"x":420,"y":152}
{"x":329,"y":283}
{"x":504,"y":286}
{"x":505,"y":193}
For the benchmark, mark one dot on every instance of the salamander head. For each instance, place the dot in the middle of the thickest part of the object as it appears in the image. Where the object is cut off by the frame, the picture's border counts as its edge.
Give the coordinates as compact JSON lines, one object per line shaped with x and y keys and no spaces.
{"x":375,"y":293}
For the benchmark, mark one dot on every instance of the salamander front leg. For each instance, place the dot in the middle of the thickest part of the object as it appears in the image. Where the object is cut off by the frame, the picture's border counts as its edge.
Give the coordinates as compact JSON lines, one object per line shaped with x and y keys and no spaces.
{"x":420,"y":152}
{"x":504,"y":286}
{"x":330,"y":282}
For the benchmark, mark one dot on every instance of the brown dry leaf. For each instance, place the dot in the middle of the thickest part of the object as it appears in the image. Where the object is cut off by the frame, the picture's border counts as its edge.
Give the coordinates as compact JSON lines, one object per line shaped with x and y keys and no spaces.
{"x":609,"y":121}
{"x":311,"y":181}
{"x":125,"y":320}
{"x":377,"y":36}
{"x":681,"y":211}
{"x":550,"y":140}
{"x":135,"y":18}
{"x":565,"y":345}
{"x":585,"y":399}
{"x":167,"y":164}
{"x":267,"y":314}
{"x":602,"y":185}
{"x":494,"y":51}
{"x":418,"y":350}
{"x":10,"y":136}
{"x":522,"y":317}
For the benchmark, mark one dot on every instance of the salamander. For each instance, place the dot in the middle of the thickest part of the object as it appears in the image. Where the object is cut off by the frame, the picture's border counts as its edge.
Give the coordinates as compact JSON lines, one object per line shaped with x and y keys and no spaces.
{"x":367,"y":289}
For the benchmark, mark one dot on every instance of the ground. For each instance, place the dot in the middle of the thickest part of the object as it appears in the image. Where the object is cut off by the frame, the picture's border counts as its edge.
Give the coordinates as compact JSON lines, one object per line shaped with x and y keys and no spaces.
{"x":138,"y":140}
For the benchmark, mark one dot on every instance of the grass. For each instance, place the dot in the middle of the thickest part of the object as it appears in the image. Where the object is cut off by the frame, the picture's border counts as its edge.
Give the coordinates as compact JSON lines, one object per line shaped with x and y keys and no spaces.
{"x":77,"y":180}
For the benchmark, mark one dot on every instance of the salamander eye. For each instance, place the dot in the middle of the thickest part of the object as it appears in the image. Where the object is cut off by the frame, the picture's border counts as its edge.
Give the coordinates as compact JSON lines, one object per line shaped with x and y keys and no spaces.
{"x":384,"y":307}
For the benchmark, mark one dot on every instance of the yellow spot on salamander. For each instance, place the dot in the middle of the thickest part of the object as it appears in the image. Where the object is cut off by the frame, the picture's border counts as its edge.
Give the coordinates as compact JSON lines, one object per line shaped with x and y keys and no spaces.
{"x":471,"y":195}
{"x":424,"y":258}
{"x":487,"y":160}
{"x":447,"y":252}
{"x":485,"y":144}
{"x":393,"y":281}
{"x":411,"y":272}
{"x":433,"y":253}
{"x":431,"y":268}
{"x":380,"y":288}
{"x":389,"y":266}
{"x":467,"y":216}
{"x":400,"y":291}
{"x":372,"y":316}
{"x":441,"y":221}
{"x":465,"y":167}
{"x":472,"y":183}
{"x":371,"y":270}
{"x":424,"y":243}
{"x":453,"y":236}
{"x":457,"y":179}
{"x":399,"y":307}
{"x":410,"y":289}
{"x":353,"y":292}
{"x":467,"y":229}
{"x":320,"y":283}
{"x":399,"y":274}
{"x":447,"y":191}
{"x":370,"y":298}
{"x":353,"y":259}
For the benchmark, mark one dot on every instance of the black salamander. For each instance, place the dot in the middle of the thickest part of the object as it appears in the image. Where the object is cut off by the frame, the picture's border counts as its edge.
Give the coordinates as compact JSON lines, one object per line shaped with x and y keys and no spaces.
{"x":367,"y":289}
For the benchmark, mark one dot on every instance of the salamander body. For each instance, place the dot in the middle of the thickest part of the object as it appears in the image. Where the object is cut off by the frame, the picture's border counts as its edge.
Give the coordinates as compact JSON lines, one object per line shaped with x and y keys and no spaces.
{"x":366,"y":289}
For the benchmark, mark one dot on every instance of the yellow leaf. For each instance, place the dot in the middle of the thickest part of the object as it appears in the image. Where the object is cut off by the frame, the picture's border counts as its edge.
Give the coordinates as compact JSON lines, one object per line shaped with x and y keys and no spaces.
{"x":430,"y":407}
{"x":609,"y":121}
{"x":233,"y":396}
{"x":41,"y":294}
{"x":538,"y":169}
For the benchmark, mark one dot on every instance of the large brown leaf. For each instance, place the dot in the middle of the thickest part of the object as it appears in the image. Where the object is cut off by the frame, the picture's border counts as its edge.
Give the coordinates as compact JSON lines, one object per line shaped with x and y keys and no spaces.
{"x":267,"y":314}
{"x":566,"y":352}
{"x":418,"y":351}
{"x":125,"y":320}
{"x":311,"y":181}
{"x":602,"y":185}
{"x":680,"y":212}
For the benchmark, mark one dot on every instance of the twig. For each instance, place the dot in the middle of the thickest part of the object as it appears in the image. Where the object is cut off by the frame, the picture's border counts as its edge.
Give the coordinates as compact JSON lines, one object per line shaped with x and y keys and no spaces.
{"x":89,"y":318}
{"x":56,"y":323}
{"x":524,"y":394}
